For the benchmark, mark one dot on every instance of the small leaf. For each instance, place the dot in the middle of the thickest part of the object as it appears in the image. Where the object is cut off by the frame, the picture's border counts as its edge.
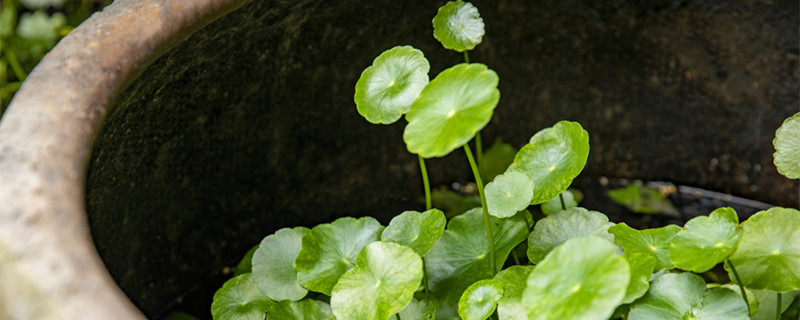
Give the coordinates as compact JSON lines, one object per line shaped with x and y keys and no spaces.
{"x":642,"y":199}
{"x":654,"y":242}
{"x":387,"y":88}
{"x":461,"y":257}
{"x":553,"y":157}
{"x":458,"y":26}
{"x":554,"y":205}
{"x":787,"y":147}
{"x":583,"y":278}
{"x":496,"y":160}
{"x":239,"y":299}
{"x":642,"y":265}
{"x":684,"y":296}
{"x":273,"y":264}
{"x":479,"y":300}
{"x":513,"y":280}
{"x":417,"y":310}
{"x":509,"y":193}
{"x":561,"y":226}
{"x":246,"y":264}
{"x":331,"y":249}
{"x":418,"y":231}
{"x":451,"y":109}
{"x":382,"y":282}
{"x":306,"y":309}
{"x":705,"y":241}
{"x":768,"y":256}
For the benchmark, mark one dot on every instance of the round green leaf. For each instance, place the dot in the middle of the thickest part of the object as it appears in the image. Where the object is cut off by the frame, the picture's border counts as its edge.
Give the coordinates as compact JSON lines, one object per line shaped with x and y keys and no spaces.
{"x":479,"y":300}
{"x":239,"y":299}
{"x":513,"y":280}
{"x":273,"y":265}
{"x":331,"y":249}
{"x":306,"y":309}
{"x":684,"y":296}
{"x":387,"y":88}
{"x":418,"y":231}
{"x":561,"y":226}
{"x":418,"y":309}
{"x":787,"y":147}
{"x":509,"y":193}
{"x":654,"y":242}
{"x":705,"y":241}
{"x":461,"y":256}
{"x":642,"y":265}
{"x":553,"y":157}
{"x":554,"y":205}
{"x":458,"y":26}
{"x":768,"y":256}
{"x":583,"y":278}
{"x":451,"y":109}
{"x":382,"y":282}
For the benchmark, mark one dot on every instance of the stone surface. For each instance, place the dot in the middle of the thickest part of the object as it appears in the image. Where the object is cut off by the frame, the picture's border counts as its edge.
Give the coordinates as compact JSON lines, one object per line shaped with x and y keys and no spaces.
{"x":249,"y":126}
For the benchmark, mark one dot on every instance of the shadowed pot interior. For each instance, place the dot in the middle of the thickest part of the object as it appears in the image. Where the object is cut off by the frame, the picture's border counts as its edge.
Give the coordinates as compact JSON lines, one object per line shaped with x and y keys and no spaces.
{"x":249,"y":125}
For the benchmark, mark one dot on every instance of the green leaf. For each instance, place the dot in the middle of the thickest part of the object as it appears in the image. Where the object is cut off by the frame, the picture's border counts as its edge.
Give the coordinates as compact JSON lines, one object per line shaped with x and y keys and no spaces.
{"x":496,"y":160}
{"x":654,"y":242}
{"x":583,"y":278}
{"x":418,"y":309}
{"x":273,"y":264}
{"x":768,"y":303}
{"x":684,"y":296}
{"x":418,"y":231}
{"x":305,"y":309}
{"x":41,"y":27}
{"x":458,"y":26}
{"x":479,"y":300}
{"x":387,"y":88}
{"x":787,"y":147}
{"x":561,"y":226}
{"x":642,"y":199}
{"x":553,"y":157}
{"x":509,"y":193}
{"x":245,"y":265}
{"x":239,"y":299}
{"x":706,"y":241}
{"x":513,"y":280}
{"x":382,"y":282}
{"x":331,"y":249}
{"x":768,"y":256}
{"x":461,"y":257}
{"x":554,"y":205}
{"x":642,"y":265}
{"x":752,"y":299}
{"x":451,"y":109}
{"x":454,"y":203}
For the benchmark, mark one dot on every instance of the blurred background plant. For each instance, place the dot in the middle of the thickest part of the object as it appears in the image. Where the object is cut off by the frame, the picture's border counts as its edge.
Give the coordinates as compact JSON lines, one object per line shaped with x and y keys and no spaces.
{"x":28,"y":30}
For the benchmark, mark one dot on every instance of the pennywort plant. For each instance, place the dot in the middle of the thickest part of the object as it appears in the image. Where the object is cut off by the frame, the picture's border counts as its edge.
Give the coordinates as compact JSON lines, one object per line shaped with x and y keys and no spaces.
{"x":575,"y":263}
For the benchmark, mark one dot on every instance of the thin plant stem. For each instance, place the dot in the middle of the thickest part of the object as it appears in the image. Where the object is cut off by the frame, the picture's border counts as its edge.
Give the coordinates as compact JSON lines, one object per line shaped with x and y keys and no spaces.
{"x":478,"y":148}
{"x":425,"y":183}
{"x":563,"y":205}
{"x":466,"y":56}
{"x":486,"y":221}
{"x":516,"y":259}
{"x":14,"y":63}
{"x":778,"y":307}
{"x":741,"y":287}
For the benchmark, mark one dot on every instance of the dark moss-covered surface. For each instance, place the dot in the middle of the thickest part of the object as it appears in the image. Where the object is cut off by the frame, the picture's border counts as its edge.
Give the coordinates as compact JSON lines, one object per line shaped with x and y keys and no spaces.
{"x":249,"y":126}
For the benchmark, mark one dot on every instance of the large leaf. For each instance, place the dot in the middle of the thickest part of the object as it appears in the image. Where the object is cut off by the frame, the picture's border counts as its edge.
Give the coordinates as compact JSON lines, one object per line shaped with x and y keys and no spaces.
{"x":273,"y":265}
{"x":300,"y":310}
{"x":418,"y":231}
{"x":553,"y":157}
{"x":768,"y":303}
{"x":787,"y":147}
{"x":479,"y":300}
{"x":451,"y":109}
{"x":387,"y":88}
{"x":513,"y":280}
{"x":382,"y":282}
{"x":706,"y":241}
{"x":239,"y":299}
{"x":684,"y":296}
{"x":331,"y":249}
{"x":561,"y":226}
{"x":461,"y":257}
{"x":509,"y":193}
{"x":583,"y":278}
{"x":768,"y":256}
{"x":458,"y":26}
{"x":654,"y":242}
{"x":642,"y":265}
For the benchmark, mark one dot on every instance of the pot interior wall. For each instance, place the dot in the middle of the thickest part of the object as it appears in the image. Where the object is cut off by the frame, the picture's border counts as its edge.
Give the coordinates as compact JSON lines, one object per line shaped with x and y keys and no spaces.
{"x":249,"y":126}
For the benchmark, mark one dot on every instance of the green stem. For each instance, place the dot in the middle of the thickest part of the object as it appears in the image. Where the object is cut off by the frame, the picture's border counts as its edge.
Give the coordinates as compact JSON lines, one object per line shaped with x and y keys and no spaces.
{"x":486,"y":221}
{"x":778,"y":307}
{"x":478,"y":148}
{"x":14,"y":63}
{"x":563,"y":205}
{"x":425,"y":183}
{"x":741,"y":287}
{"x":466,"y":56}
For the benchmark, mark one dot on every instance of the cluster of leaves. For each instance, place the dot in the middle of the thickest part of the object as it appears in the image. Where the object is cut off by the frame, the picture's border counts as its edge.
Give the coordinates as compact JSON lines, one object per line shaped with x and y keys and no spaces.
{"x":28,"y":30}
{"x":579,"y":264}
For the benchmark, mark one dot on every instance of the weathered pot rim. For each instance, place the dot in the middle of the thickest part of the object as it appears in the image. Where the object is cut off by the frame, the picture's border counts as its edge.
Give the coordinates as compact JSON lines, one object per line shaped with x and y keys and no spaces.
{"x":50,"y":267}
